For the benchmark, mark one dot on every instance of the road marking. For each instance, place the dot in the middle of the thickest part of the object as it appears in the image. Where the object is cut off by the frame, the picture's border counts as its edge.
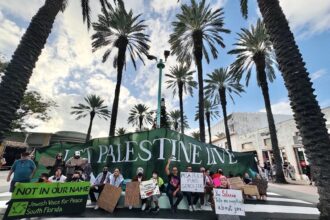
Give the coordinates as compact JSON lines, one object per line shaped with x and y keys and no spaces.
{"x":5,"y":194}
{"x":281,"y":209}
{"x":272,"y":194}
{"x":287,"y":200}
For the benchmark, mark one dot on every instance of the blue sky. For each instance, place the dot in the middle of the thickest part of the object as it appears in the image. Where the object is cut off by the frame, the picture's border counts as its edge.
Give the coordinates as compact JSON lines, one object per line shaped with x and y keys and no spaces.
{"x":67,"y":69}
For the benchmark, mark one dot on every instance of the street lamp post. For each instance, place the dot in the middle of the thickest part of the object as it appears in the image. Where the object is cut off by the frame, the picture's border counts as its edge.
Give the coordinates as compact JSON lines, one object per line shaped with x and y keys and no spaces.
{"x":160,"y":66}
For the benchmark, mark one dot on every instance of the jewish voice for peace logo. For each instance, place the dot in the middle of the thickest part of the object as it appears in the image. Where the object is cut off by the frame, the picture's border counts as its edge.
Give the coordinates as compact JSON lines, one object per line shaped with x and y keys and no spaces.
{"x":18,"y":208}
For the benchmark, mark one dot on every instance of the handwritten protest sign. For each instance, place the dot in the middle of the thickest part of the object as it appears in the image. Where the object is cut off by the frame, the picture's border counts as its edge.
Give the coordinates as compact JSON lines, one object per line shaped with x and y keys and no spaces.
{"x":148,"y":188}
{"x":132,"y":194}
{"x":228,"y":202}
{"x":47,"y":199}
{"x":192,"y":182}
{"x":236,"y":183}
{"x":251,"y":190}
{"x":46,"y":161}
{"x":109,"y":197}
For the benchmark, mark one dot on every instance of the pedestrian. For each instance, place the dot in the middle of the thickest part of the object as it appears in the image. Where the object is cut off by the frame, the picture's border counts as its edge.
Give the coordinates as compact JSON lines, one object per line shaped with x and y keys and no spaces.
{"x":58,"y":177}
{"x":23,"y":170}
{"x":291,"y":171}
{"x":308,"y":174}
{"x":173,"y":186}
{"x":44,"y":178}
{"x":273,"y":171}
{"x":98,"y":185}
{"x":158,"y":181}
{"x":139,"y":178}
{"x":285,"y":168}
{"x":59,"y":163}
{"x":75,"y":163}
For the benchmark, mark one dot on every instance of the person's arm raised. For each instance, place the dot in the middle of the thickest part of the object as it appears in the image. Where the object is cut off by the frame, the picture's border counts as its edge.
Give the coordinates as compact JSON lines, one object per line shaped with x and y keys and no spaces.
{"x":167,"y":167}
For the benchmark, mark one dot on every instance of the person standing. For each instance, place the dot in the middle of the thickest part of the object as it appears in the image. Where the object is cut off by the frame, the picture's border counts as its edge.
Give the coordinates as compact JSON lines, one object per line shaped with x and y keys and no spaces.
{"x":98,"y":185}
{"x":291,"y":171}
{"x":173,"y":186}
{"x":59,"y":163}
{"x":75,"y":163}
{"x":58,"y":177}
{"x":23,"y":170}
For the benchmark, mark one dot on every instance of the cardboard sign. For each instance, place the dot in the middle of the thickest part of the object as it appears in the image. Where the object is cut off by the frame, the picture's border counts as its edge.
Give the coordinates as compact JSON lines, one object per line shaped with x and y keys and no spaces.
{"x":132,"y":194}
{"x":149,"y":188}
{"x":228,"y":202}
{"x":251,"y":190}
{"x":46,"y":161}
{"x":109,"y":197}
{"x":47,"y":199}
{"x":236,"y":183}
{"x":192,"y":182}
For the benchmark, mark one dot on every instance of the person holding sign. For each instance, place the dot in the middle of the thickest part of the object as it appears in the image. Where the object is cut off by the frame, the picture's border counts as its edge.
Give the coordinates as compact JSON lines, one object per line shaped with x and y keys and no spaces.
{"x":23,"y":170}
{"x":139,"y":178}
{"x":98,"y":185}
{"x":189,"y":195}
{"x":173,"y":187}
{"x":58,"y":177}
{"x":160,"y":183}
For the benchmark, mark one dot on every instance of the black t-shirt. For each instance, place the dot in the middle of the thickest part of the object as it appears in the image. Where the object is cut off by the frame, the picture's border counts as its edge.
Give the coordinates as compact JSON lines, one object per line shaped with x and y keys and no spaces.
{"x":173,"y":182}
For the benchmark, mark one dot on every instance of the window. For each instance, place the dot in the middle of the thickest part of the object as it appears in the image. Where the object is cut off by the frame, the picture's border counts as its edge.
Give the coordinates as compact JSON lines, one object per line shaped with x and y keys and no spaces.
{"x":247,"y":145}
{"x":267,"y":143}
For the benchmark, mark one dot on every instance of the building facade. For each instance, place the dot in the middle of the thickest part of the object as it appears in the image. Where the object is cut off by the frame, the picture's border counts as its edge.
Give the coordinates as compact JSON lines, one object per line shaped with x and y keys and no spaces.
{"x":249,"y":133}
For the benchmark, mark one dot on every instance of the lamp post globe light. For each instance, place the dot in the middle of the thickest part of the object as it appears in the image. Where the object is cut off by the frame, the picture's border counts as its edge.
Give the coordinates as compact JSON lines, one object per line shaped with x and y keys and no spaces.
{"x":160,"y":66}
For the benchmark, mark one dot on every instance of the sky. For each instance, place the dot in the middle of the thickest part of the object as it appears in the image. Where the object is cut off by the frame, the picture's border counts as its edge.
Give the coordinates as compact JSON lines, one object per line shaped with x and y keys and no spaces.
{"x":67,"y":69}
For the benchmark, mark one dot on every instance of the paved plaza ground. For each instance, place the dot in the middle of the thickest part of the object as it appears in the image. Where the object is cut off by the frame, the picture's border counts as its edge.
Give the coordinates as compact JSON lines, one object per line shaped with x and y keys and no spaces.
{"x":296,"y":200}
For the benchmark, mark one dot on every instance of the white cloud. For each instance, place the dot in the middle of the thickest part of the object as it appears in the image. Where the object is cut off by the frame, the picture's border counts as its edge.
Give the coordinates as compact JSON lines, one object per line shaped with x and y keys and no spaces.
{"x":318,"y":74}
{"x":282,"y":107}
{"x":308,"y":17}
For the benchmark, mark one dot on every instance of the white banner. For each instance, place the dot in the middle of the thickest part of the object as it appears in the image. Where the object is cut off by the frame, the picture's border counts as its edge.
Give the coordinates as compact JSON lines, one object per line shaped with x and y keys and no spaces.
{"x":228,"y":202}
{"x":192,"y":182}
{"x":149,"y":188}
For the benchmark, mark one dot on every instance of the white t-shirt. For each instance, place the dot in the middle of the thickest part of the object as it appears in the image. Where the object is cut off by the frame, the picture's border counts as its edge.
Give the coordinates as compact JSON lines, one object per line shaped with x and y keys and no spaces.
{"x":54,"y":179}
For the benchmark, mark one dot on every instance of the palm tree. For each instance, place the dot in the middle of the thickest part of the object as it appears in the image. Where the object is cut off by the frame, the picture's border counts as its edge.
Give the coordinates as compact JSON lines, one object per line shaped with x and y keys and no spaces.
{"x":307,"y":112}
{"x":181,"y":79}
{"x":117,"y":28}
{"x":211,"y":113}
{"x":175,"y":117}
{"x":140,"y":115}
{"x":197,"y":24}
{"x":94,"y":107}
{"x":219,"y":84}
{"x":120,"y":131}
{"x":254,"y":48}
{"x":19,"y":70}
{"x":196,"y":135}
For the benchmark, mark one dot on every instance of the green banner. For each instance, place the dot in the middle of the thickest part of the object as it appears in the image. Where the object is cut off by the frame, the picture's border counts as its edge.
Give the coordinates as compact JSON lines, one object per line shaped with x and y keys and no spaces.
{"x":47,"y":199}
{"x":150,"y":150}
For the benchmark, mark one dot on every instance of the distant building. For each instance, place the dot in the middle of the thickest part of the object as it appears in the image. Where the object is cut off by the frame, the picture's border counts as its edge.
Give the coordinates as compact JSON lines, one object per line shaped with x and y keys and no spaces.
{"x":249,"y":133}
{"x":17,"y":142}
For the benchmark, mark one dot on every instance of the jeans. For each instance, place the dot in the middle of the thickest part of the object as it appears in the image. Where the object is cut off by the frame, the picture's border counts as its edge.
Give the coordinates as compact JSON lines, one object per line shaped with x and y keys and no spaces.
{"x":93,"y":190}
{"x":193,"y":197}
{"x":170,"y":196}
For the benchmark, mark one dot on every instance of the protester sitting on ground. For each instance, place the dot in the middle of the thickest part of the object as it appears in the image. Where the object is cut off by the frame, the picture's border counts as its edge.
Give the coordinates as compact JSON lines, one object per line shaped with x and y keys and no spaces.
{"x":59,"y":163}
{"x":23,"y":170}
{"x":58,"y":177}
{"x":224,"y":184}
{"x":43,"y":178}
{"x":173,"y":186}
{"x":98,"y":185}
{"x":262,"y":185}
{"x":139,"y":178}
{"x":247,"y":179}
{"x":160,"y":183}
{"x":74,"y":163}
{"x":76,"y":177}
{"x":116,"y":179}
{"x":200,"y":196}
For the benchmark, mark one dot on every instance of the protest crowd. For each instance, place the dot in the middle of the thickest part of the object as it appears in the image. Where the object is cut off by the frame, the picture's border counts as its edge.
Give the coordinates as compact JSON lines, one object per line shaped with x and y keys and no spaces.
{"x":78,"y":169}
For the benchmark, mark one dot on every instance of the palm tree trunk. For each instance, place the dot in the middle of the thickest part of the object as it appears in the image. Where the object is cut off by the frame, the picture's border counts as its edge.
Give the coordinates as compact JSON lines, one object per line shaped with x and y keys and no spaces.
{"x":307,"y":113}
{"x":92,"y":114}
{"x":260,"y":65}
{"x":223,"y":101}
{"x":122,"y":44}
{"x":19,"y":70}
{"x":180,"y":85}
{"x":140,"y":122}
{"x":208,"y":121}
{"x":198,"y":53}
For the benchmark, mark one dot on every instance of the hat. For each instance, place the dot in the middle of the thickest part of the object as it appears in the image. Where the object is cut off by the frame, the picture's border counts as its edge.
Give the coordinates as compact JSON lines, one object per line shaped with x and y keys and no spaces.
{"x":77,"y":153}
{"x":139,"y":170}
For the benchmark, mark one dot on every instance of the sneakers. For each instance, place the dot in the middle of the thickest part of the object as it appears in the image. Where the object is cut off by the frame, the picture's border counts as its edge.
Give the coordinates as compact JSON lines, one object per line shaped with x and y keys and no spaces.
{"x":203,"y":207}
{"x":130,"y":207}
{"x":155,"y":210}
{"x":196,"y":208}
{"x":144,"y":206}
{"x":191,"y":209}
{"x":96,"y":207}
